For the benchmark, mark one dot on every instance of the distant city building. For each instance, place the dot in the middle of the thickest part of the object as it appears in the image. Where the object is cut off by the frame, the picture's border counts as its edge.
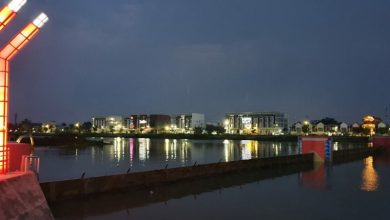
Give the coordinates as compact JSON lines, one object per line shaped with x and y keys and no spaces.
{"x":382,"y":125}
{"x":112,"y":123}
{"x":131,"y":124}
{"x":296,"y":128}
{"x":263,"y":123}
{"x":158,"y":123}
{"x":149,"y":123}
{"x":344,"y":128}
{"x":186,"y":123}
{"x":355,"y":129}
{"x":99,"y":122}
{"x":319,"y":128}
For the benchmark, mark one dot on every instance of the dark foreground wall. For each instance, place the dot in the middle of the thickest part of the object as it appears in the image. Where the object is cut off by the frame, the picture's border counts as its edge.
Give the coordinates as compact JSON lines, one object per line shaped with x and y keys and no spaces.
{"x":22,"y":198}
{"x":78,"y":188}
{"x":107,"y":203}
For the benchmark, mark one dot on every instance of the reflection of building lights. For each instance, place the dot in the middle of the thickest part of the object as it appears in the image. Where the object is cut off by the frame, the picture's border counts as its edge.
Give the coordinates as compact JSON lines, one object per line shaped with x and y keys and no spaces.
{"x":249,"y":150}
{"x":166,"y":146}
{"x":336,"y":146}
{"x":174,"y":153}
{"x":228,"y":148}
{"x":119,"y":145}
{"x":276,"y":151}
{"x":144,"y":144}
{"x":131,"y":149}
{"x":170,"y":149}
{"x":370,"y":178}
{"x":184,"y":152}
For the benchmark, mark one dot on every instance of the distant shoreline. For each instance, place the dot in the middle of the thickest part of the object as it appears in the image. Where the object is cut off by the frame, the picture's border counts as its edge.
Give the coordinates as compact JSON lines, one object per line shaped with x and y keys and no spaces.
{"x":81,"y":139}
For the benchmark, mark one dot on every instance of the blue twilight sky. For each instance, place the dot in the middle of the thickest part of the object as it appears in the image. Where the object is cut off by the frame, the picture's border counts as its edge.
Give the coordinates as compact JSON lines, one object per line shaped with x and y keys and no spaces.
{"x":308,"y":58}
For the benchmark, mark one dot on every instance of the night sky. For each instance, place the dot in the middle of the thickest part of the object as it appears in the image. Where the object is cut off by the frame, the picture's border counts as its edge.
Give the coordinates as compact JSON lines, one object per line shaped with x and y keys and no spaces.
{"x":307,"y":58}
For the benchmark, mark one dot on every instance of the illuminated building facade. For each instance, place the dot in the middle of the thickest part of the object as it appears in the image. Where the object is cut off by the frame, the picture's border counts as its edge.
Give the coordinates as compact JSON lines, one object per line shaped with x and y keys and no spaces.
{"x":369,"y":124}
{"x":143,"y":123}
{"x":112,"y":124}
{"x":159,"y":122}
{"x":153,"y":123}
{"x":99,"y":122}
{"x":262,"y":123}
{"x":185,"y":123}
{"x":132,"y":124}
{"x":6,"y":54}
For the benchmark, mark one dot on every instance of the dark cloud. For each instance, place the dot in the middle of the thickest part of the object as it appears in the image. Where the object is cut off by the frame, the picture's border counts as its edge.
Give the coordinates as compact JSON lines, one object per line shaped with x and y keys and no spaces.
{"x":306,"y":57}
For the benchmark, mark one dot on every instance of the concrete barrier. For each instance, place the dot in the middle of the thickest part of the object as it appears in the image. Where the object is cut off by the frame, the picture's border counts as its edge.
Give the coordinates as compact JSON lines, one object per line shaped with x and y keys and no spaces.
{"x":70,"y":189}
{"x":104,"y":204}
{"x":22,"y":198}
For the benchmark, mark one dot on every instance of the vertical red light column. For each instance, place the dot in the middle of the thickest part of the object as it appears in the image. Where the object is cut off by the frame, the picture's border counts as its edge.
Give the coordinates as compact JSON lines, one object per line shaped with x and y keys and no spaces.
{"x":6,"y":54}
{"x":4,"y":155}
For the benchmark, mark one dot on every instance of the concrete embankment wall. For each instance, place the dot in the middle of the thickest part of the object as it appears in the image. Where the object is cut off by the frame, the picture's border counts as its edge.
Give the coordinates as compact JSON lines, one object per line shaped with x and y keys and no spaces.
{"x":22,"y":198}
{"x":78,"y":188}
{"x":107,"y":203}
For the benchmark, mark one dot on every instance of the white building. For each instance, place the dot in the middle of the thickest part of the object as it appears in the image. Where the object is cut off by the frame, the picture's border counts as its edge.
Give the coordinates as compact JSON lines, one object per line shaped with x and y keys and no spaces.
{"x":320,"y":128}
{"x":185,"y":123}
{"x":112,"y":123}
{"x":263,"y":123}
{"x":344,"y":128}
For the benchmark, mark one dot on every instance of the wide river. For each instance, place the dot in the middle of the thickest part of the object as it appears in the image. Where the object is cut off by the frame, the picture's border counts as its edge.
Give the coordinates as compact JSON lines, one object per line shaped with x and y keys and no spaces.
{"x":122,"y":154}
{"x":353,"y":190}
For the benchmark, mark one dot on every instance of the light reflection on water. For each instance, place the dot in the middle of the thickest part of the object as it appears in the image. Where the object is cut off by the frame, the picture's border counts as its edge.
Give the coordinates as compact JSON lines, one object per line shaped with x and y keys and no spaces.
{"x":370,"y":178}
{"x":147,"y":154}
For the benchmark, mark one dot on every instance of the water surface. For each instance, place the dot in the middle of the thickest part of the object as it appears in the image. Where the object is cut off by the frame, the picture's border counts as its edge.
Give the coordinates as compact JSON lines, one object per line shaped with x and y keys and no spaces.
{"x":122,"y":154}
